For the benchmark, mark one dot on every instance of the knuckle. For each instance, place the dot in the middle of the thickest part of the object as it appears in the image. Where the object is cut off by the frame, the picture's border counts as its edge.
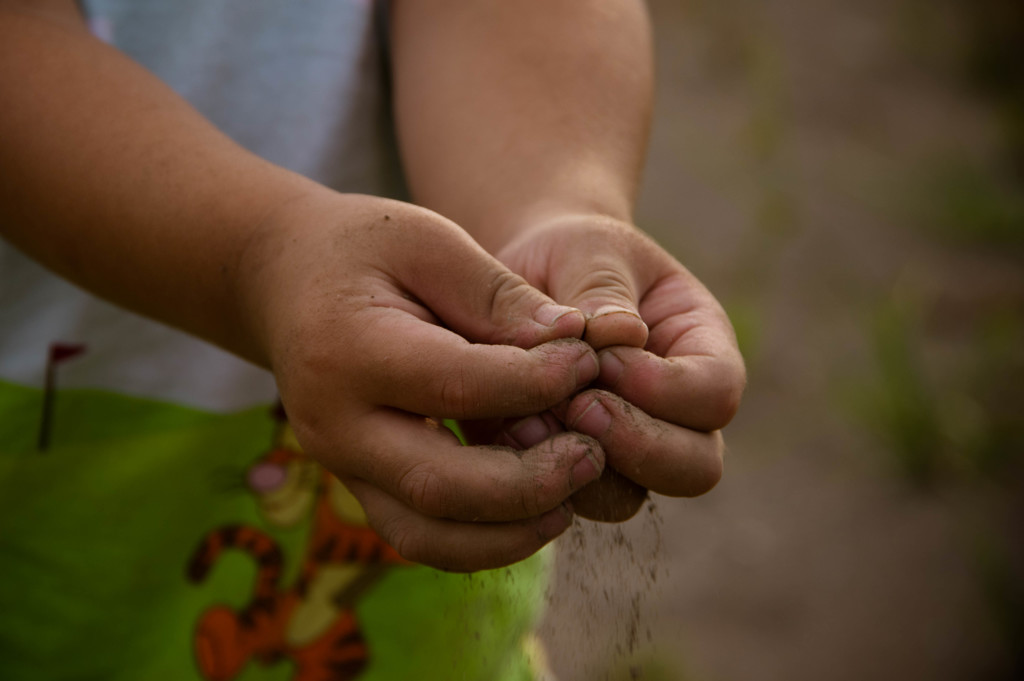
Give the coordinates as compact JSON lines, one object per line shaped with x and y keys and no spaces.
{"x":403,"y":535}
{"x":397,"y":531}
{"x":554,"y":369}
{"x":457,"y":393}
{"x":607,"y":283}
{"x":512,"y":301}
{"x":425,"y":490}
{"x":517,"y":492}
{"x":508,"y":290}
{"x":528,"y":495}
{"x":610,"y":264}
{"x":549,"y":476}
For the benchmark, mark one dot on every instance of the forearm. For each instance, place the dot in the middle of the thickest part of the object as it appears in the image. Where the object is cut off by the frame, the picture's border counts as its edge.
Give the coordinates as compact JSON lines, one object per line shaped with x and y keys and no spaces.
{"x":113,"y":181}
{"x":511,"y":113}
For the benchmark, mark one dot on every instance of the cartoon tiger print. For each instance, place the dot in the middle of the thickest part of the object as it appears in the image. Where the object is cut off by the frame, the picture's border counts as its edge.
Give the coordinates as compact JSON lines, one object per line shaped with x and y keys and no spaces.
{"x":313,"y":623}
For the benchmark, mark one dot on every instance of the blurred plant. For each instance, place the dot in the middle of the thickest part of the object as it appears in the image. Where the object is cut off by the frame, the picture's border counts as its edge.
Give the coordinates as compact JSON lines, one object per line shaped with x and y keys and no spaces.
{"x":955,"y":417}
{"x":900,"y":406}
{"x":971,"y":205}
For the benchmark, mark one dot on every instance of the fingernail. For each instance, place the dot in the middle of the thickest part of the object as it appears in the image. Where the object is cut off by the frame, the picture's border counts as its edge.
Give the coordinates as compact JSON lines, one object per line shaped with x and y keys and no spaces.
{"x":549,"y":313}
{"x":613,"y":309}
{"x":611,"y":368}
{"x":587,"y":369}
{"x":584,"y":471}
{"x":594,"y":421}
{"x":529,"y":431}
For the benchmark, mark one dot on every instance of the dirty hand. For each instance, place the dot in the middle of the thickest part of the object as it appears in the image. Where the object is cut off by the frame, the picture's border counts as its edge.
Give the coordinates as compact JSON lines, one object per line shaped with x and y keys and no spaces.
{"x":671,"y":373}
{"x":375,"y":315}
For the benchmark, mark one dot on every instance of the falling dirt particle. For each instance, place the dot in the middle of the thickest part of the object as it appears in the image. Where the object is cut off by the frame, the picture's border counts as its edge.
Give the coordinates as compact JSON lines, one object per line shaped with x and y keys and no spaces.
{"x":606,"y":579}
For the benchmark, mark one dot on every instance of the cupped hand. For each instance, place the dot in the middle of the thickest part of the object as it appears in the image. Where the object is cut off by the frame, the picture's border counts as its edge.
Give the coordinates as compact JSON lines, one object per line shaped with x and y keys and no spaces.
{"x":378,"y":318}
{"x":671,"y":373}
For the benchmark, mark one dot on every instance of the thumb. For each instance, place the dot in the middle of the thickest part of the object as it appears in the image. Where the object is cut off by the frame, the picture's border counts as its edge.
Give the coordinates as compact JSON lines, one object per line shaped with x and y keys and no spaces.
{"x":603,"y":273}
{"x":473,"y":293}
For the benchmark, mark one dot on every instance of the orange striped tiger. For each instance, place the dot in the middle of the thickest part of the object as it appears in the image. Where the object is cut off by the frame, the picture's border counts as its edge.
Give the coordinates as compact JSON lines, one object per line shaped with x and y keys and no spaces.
{"x":313,"y":622}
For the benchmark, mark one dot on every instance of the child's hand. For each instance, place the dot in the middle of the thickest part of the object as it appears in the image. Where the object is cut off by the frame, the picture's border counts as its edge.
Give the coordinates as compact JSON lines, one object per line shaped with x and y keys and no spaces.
{"x":666,"y":348}
{"x":374,"y":315}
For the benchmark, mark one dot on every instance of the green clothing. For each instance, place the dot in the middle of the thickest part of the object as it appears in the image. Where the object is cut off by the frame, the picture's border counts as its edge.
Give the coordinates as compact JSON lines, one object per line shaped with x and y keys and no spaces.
{"x":98,"y":531}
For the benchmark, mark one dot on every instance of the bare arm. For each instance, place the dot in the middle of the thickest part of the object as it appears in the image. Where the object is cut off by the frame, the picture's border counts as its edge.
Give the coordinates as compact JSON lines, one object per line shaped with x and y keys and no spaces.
{"x":371,"y":313}
{"x":115,"y":182}
{"x":510,"y":113}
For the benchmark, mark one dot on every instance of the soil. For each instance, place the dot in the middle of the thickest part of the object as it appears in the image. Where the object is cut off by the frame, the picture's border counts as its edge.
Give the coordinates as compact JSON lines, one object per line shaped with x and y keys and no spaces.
{"x":800,"y":165}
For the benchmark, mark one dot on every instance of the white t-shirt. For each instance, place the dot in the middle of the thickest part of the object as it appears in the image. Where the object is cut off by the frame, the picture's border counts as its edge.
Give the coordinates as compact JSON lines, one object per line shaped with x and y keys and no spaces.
{"x":301,"y":84}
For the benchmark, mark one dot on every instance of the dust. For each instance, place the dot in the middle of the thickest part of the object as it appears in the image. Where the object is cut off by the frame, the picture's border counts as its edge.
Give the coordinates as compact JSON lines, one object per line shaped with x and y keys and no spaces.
{"x":598,"y":621}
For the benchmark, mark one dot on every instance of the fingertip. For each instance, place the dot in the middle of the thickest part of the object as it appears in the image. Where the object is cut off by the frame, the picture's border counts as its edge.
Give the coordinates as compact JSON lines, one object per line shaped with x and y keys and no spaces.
{"x":531,"y":431}
{"x":588,"y":468}
{"x":588,"y":368}
{"x":612,"y":367}
{"x":589,"y":416}
{"x":613,"y":308}
{"x":571,"y":365}
{"x":555,"y":522}
{"x":548,"y":322}
{"x":561,"y":321}
{"x":615,"y":325}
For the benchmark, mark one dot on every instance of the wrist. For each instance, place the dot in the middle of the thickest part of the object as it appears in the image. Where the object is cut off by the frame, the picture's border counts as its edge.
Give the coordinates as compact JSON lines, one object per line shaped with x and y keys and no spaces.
{"x":580,"y":221}
{"x":497,"y":228}
{"x":269,"y":264}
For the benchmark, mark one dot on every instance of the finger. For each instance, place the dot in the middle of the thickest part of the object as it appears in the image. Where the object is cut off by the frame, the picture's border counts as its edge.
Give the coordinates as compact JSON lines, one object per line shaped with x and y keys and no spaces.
{"x":456,"y":546}
{"x":470,"y":290}
{"x":606,"y":267}
{"x":613,"y":324}
{"x":612,"y":498}
{"x":425,"y":467}
{"x":692,"y":373}
{"x":701,"y":392}
{"x":517,"y":433}
{"x":406,"y":363}
{"x":530,"y":431}
{"x":657,"y":455}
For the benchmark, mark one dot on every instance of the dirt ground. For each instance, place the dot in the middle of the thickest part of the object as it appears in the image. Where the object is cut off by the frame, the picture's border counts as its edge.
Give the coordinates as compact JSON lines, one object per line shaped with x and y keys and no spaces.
{"x":827,"y":171}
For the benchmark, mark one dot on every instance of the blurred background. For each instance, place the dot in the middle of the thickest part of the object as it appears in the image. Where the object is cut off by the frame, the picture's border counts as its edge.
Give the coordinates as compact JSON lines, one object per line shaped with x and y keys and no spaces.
{"x":847,"y":176}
